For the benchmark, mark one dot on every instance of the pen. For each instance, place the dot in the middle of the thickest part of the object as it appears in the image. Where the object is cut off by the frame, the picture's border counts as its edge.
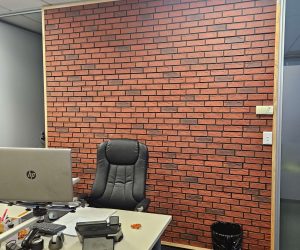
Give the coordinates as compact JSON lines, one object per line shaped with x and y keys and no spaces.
{"x":21,"y":214}
{"x":4,"y":214}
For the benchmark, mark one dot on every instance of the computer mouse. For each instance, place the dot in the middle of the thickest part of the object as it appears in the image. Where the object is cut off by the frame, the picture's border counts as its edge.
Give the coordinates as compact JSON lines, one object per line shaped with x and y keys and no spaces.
{"x":53,"y":215}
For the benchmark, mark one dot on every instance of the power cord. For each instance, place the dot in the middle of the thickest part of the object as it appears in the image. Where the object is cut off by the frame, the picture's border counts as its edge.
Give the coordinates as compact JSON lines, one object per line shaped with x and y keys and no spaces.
{"x":12,"y":245}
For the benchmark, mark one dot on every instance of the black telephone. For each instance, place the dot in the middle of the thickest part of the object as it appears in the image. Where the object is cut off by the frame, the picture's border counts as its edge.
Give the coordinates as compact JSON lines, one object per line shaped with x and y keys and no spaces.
{"x":33,"y":240}
{"x":26,"y":243}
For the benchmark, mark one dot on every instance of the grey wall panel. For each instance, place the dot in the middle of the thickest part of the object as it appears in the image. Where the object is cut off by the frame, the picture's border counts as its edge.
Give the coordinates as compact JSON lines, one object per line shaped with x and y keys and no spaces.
{"x":290,"y":168}
{"x":21,"y":87}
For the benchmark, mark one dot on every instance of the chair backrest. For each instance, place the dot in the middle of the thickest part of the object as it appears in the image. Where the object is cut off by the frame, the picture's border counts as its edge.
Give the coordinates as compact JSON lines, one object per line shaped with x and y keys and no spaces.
{"x":121,"y":174}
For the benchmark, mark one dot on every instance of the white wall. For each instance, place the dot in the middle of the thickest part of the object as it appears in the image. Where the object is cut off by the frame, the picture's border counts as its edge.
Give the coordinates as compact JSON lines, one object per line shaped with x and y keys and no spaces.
{"x":21,"y":87}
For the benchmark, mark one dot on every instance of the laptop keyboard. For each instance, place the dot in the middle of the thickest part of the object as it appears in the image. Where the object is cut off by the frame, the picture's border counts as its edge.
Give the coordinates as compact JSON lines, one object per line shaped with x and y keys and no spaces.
{"x":48,"y":228}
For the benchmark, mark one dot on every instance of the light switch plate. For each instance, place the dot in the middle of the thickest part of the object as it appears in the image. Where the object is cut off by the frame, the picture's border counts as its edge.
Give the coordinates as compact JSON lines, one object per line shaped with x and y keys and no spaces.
{"x":267,"y":138}
{"x":264,"y":110}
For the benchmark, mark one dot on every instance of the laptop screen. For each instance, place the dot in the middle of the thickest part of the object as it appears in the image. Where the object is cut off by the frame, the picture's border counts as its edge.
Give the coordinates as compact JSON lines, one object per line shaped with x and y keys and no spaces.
{"x":36,"y":175}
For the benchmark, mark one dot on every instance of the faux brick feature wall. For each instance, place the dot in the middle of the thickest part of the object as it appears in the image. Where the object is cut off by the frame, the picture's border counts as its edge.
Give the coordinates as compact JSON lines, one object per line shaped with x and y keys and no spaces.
{"x":184,"y":77}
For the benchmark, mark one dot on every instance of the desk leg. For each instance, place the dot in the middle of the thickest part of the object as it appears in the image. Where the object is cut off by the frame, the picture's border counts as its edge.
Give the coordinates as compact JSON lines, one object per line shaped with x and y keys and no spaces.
{"x":157,"y":245}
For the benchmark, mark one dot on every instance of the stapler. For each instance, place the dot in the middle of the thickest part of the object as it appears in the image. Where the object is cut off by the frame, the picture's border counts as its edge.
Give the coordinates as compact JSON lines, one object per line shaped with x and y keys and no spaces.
{"x":99,"y":234}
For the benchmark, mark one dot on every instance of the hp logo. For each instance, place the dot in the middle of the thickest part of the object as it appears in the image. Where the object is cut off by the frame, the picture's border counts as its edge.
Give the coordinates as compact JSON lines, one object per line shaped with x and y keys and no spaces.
{"x":31,"y":174}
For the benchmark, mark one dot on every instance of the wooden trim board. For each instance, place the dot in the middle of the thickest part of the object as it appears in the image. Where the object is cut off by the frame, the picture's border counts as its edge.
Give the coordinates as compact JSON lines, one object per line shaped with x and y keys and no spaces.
{"x":171,"y":244}
{"x":275,"y":130}
{"x":45,"y":79}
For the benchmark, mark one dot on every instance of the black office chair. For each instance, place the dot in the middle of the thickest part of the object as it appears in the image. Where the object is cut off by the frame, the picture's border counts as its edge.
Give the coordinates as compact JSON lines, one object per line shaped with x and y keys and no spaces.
{"x":120,"y":176}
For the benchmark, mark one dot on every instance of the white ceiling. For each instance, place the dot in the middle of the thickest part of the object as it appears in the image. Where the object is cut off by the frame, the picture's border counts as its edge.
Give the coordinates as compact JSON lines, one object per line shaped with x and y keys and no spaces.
{"x":32,"y":21}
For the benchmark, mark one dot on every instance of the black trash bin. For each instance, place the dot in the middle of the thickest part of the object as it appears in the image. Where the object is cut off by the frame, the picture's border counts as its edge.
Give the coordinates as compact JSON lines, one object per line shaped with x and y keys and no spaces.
{"x":226,"y":236}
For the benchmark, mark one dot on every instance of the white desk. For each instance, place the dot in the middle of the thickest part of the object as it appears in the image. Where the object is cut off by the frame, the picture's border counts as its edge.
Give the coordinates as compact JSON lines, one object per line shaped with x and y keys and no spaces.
{"x":12,"y":211}
{"x":153,"y":225}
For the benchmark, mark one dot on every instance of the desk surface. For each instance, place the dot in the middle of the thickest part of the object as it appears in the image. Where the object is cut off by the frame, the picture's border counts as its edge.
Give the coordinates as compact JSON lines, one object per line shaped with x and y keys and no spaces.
{"x":12,"y":211}
{"x":153,"y":225}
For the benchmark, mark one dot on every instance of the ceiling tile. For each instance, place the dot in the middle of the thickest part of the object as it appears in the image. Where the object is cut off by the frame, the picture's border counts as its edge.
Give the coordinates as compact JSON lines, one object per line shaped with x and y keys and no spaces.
{"x":60,"y":1}
{"x":30,"y":21}
{"x":35,"y":16}
{"x":17,"y":5}
{"x":3,"y":10}
{"x":24,"y":22}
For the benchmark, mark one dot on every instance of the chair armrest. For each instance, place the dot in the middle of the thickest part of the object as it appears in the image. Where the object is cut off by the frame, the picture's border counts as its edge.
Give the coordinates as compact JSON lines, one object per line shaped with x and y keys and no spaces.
{"x":143,"y":205}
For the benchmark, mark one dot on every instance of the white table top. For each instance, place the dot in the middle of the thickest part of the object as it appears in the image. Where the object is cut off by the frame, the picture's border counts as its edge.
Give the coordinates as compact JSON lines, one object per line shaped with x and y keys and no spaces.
{"x":152,"y":227}
{"x":12,"y":211}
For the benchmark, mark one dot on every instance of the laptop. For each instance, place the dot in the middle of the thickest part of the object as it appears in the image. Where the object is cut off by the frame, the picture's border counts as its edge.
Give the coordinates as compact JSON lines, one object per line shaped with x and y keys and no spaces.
{"x":36,"y":175}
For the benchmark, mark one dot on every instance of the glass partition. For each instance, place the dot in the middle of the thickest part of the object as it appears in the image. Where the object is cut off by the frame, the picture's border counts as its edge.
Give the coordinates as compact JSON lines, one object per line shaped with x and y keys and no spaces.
{"x":290,"y":137}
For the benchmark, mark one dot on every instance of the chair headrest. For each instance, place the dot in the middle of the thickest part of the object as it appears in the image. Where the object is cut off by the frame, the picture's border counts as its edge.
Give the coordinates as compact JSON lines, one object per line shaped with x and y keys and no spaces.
{"x":122,"y":151}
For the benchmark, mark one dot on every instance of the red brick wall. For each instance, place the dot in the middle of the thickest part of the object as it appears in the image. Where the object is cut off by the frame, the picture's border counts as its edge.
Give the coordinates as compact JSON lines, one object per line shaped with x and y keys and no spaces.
{"x":184,"y":77}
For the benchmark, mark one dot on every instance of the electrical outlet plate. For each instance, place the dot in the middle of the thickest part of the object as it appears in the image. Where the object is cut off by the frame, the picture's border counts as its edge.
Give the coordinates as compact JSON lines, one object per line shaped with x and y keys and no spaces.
{"x":267,"y":138}
{"x":264,"y":110}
